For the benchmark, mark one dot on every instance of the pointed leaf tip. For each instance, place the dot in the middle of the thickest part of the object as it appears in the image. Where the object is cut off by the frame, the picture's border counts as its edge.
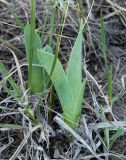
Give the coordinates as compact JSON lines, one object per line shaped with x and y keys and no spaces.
{"x":74,"y":69}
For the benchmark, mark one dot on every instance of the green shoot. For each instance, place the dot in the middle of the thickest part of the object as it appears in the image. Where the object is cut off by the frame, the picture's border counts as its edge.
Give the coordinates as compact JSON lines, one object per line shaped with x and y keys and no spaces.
{"x":31,"y":41}
{"x":11,"y":126}
{"x":114,"y":137}
{"x":15,"y":93}
{"x":117,"y":97}
{"x":10,"y":80}
{"x":28,"y":111}
{"x":58,"y":41}
{"x":109,"y":78}
{"x":108,"y":74}
{"x":37,"y":80}
{"x":66,"y":84}
{"x":109,"y":140}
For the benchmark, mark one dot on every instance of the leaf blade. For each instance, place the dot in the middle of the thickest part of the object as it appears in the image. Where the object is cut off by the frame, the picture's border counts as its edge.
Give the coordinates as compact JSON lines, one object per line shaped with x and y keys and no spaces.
{"x":74,"y":69}
{"x":58,"y":78}
{"x":11,"y":126}
{"x":10,"y":80}
{"x":37,"y":81}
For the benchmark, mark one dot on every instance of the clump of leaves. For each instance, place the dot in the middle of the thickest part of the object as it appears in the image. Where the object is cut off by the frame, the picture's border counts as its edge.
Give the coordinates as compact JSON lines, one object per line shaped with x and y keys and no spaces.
{"x":44,"y":66}
{"x":69,"y":85}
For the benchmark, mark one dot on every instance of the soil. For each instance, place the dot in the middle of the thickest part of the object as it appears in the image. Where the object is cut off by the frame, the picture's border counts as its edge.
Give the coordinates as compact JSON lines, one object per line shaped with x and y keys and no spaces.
{"x":56,"y":143}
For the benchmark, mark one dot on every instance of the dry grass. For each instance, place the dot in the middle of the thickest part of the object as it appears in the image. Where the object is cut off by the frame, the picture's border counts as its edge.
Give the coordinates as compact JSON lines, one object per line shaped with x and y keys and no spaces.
{"x":54,"y":139}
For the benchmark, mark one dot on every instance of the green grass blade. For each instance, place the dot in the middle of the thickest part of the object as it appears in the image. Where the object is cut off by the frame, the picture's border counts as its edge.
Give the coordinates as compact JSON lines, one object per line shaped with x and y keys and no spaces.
{"x":119,"y":96}
{"x":109,"y":78}
{"x":106,"y":137}
{"x":31,"y":41}
{"x":11,"y":93}
{"x":58,"y":41}
{"x":119,"y":132}
{"x":103,"y":40}
{"x":28,"y":111}
{"x":10,"y":80}
{"x":37,"y":80}
{"x":11,"y":126}
{"x":74,"y":70}
{"x":37,"y":43}
{"x":56,"y":56}
{"x":43,"y":28}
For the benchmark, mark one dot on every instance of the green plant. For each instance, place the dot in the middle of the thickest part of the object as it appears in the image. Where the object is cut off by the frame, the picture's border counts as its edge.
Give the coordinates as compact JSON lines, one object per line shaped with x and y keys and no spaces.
{"x":37,"y":78}
{"x":69,"y":86}
{"x":44,"y":66}
{"x":104,"y":51}
{"x":16,"y":90}
{"x":109,"y":139}
{"x":36,"y":83}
